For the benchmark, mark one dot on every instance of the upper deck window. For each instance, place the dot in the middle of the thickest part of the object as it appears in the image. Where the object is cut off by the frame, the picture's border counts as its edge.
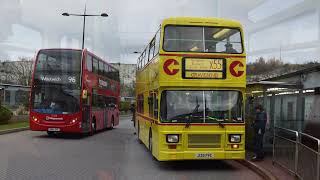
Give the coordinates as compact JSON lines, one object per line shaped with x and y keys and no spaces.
{"x":202,"y":39}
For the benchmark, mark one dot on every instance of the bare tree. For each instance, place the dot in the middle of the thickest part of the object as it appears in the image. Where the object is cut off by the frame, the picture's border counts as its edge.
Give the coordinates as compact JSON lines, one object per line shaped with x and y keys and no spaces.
{"x":17,"y":72}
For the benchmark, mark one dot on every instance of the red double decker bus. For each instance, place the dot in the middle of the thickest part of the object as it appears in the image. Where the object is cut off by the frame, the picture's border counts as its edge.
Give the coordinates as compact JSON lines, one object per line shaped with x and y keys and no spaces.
{"x":73,"y":91}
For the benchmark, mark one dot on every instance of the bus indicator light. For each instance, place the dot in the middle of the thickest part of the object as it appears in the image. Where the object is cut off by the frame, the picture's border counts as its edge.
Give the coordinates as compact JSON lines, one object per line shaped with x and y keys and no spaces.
{"x":169,"y":67}
{"x":236,"y":68}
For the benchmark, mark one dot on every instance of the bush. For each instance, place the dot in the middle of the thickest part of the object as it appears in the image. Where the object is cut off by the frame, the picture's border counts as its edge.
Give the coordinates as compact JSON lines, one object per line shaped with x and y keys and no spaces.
{"x":124,"y":106}
{"x":5,"y":115}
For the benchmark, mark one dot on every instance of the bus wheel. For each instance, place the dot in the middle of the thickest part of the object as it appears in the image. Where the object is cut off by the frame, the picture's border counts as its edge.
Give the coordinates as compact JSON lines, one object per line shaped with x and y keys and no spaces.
{"x":150,"y":141}
{"x":138,"y":129}
{"x":93,"y":126}
{"x":50,"y":133}
{"x":138,"y":133}
{"x":112,"y":123}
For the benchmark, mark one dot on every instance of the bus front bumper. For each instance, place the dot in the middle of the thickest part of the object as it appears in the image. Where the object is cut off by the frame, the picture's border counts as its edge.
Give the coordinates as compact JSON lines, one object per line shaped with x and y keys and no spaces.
{"x":65,"y":128}
{"x":200,"y":155}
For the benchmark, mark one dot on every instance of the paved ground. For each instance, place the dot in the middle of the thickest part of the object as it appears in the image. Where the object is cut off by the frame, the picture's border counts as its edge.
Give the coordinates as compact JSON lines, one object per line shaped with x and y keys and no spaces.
{"x":276,"y":170}
{"x":111,"y":154}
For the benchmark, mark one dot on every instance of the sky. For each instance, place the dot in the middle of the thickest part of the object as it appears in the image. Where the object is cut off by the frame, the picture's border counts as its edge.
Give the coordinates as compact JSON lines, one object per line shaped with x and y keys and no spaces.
{"x":29,"y":25}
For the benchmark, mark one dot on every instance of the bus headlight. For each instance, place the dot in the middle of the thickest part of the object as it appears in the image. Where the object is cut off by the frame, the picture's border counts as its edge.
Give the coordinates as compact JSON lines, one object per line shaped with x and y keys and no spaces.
{"x":234,"y":138}
{"x":172,"y":138}
{"x":34,"y":118}
{"x":73,"y":121}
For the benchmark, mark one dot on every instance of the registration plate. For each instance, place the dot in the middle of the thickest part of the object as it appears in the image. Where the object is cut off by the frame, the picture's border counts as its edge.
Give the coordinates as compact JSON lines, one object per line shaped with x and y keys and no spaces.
{"x":204,"y":155}
{"x":54,"y":129}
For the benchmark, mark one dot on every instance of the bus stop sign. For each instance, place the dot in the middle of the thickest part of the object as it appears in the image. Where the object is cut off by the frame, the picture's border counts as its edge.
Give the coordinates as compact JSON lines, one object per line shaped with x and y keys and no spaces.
{"x":169,"y":66}
{"x":236,"y":68}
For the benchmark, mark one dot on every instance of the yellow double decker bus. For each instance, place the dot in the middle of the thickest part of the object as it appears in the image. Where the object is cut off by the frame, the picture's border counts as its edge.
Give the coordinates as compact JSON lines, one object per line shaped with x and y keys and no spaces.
{"x":190,"y":90}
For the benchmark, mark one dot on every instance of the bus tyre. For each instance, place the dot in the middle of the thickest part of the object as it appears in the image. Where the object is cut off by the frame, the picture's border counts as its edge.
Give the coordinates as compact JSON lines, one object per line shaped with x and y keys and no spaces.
{"x":138,"y":133}
{"x":150,"y":141}
{"x":112,"y":123}
{"x":151,"y":144}
{"x":93,"y":126}
{"x":50,"y":133}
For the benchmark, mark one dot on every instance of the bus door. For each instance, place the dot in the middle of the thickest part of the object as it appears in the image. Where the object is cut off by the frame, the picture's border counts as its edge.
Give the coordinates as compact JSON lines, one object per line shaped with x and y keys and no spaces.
{"x":86,"y":114}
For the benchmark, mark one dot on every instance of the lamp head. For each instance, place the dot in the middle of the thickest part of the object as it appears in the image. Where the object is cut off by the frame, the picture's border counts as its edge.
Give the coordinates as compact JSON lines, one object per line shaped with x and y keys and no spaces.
{"x":104,"y":15}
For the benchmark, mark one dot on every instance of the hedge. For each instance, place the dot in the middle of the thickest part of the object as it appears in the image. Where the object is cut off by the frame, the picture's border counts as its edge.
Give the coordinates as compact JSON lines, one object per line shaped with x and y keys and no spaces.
{"x":5,"y":115}
{"x":124,"y":106}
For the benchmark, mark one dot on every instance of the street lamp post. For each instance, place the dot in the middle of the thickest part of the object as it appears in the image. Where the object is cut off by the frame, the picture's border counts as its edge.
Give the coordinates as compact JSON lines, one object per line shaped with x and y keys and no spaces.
{"x":84,"y":15}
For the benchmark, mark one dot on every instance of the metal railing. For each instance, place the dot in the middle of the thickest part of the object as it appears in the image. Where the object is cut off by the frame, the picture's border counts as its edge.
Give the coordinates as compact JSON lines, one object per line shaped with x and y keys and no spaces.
{"x":297,"y":152}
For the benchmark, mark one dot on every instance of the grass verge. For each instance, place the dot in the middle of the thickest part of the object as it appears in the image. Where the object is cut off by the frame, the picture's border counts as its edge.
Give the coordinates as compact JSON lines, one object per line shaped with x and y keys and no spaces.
{"x":14,"y":125}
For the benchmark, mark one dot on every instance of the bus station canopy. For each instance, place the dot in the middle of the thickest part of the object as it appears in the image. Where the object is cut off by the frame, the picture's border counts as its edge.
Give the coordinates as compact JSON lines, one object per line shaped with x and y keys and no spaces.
{"x":260,"y":87}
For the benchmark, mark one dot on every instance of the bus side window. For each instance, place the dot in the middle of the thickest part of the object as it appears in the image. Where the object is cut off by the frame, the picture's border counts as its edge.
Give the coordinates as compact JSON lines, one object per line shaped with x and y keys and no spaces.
{"x":94,"y":101}
{"x":95,"y":65}
{"x":151,"y":49}
{"x":155,"y":106}
{"x":89,"y":63}
{"x":105,"y":70}
{"x":108,"y":101}
{"x":101,"y":67}
{"x":140,"y":102}
{"x":117,"y":76}
{"x":157,"y":43}
{"x":111,"y":73}
{"x":101,"y":102}
{"x":150,"y":103}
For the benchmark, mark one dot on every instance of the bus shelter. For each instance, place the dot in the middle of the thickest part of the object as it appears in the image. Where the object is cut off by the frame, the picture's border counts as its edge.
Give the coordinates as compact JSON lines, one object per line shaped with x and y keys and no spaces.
{"x":283,"y":103}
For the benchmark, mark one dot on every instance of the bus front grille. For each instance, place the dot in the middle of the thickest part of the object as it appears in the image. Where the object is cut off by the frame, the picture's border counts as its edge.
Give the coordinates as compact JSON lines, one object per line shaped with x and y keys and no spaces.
{"x":204,"y":141}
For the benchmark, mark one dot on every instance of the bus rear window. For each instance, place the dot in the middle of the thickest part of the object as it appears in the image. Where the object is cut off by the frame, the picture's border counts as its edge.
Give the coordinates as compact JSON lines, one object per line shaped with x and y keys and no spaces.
{"x":202,"y":39}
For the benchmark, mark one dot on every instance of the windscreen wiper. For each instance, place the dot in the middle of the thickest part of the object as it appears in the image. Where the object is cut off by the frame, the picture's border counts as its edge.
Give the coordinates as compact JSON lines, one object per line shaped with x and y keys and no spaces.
{"x":220,"y":121}
{"x":191,"y":115}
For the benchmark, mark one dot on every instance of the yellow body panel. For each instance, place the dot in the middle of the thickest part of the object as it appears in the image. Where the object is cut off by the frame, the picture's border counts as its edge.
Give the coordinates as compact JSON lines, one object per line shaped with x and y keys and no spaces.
{"x":193,"y":142}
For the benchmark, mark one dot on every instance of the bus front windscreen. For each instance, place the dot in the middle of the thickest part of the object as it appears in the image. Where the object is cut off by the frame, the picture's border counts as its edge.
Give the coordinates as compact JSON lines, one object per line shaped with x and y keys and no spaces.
{"x":202,"y":39}
{"x":201,"y":107}
{"x":56,"y":86}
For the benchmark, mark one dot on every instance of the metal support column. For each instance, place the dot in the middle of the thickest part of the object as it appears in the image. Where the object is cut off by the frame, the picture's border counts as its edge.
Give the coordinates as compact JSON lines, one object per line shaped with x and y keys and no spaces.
{"x":265,"y":98}
{"x":281,"y":112}
{"x":300,"y":110}
{"x":272,"y":109}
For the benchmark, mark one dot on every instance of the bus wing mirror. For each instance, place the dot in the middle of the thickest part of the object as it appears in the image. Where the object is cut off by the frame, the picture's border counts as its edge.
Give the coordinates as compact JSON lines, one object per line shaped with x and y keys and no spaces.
{"x":84,"y":94}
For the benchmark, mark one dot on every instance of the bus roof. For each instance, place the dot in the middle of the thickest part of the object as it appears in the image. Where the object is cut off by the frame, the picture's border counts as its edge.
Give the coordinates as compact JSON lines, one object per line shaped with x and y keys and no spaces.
{"x":60,"y":49}
{"x":210,"y":21}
